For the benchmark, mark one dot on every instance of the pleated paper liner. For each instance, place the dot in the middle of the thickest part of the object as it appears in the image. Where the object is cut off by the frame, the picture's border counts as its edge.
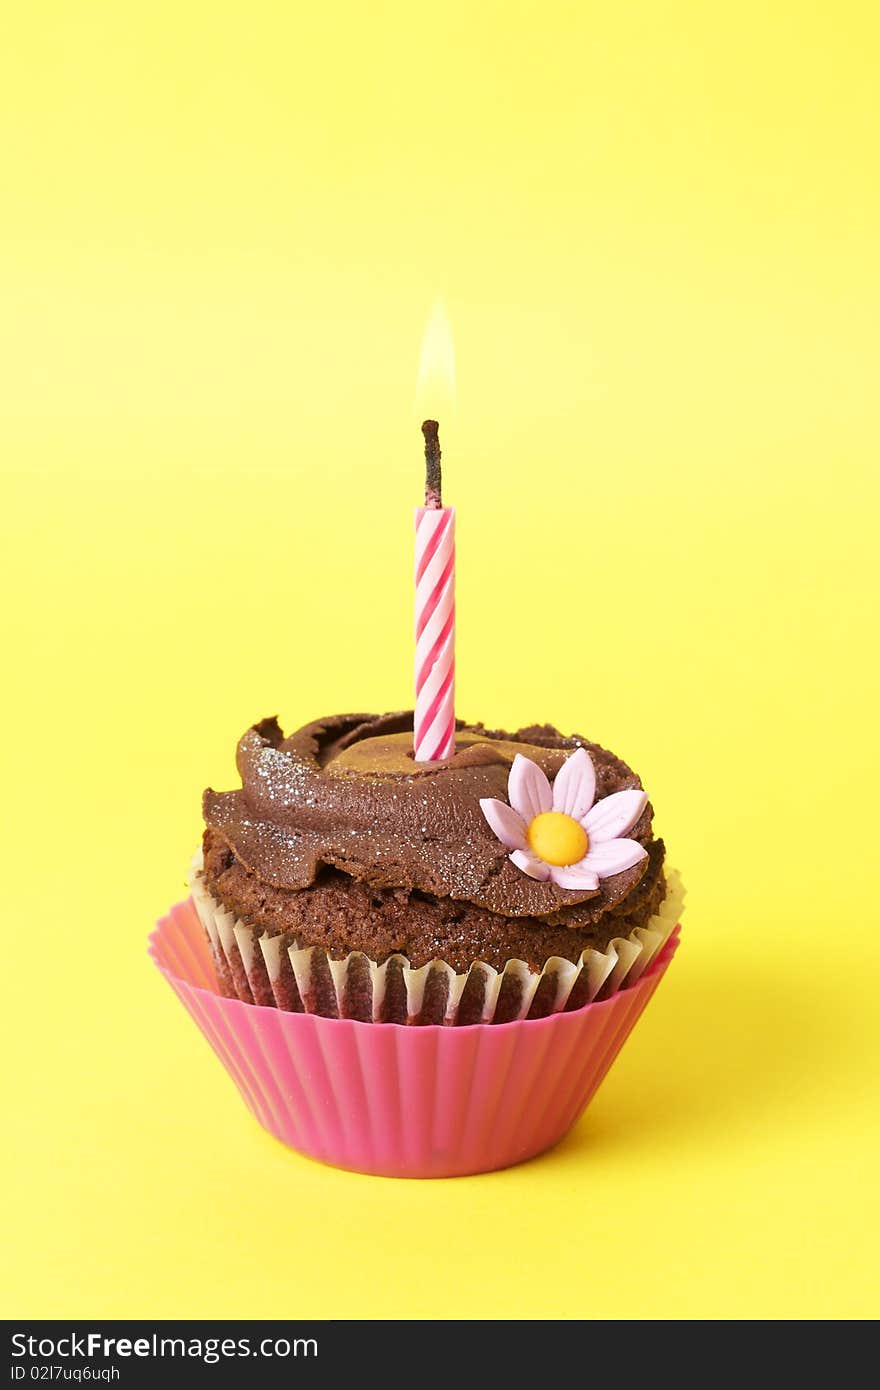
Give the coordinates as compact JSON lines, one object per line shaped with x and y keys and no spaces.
{"x":400,"y":1101}
{"x":259,"y":968}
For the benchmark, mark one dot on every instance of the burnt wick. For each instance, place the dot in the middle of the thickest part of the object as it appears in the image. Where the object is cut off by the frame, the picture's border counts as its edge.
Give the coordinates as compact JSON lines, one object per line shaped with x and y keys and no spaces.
{"x":433,"y":484}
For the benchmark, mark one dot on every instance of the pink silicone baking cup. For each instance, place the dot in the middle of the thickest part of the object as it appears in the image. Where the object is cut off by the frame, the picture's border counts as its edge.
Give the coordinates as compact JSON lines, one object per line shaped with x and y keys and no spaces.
{"x":405,"y":1102}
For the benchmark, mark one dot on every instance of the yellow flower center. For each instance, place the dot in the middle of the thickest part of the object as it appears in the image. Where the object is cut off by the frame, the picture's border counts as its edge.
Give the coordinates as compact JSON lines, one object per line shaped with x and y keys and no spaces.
{"x":557,"y":838}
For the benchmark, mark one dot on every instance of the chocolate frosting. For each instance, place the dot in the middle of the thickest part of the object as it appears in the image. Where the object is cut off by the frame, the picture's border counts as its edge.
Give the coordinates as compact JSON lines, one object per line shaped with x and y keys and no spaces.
{"x":346,"y":792}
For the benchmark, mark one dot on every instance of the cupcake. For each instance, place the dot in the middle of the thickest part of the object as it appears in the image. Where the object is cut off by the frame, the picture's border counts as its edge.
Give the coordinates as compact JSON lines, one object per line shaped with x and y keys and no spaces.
{"x":517,"y":879}
{"x":421,"y":969}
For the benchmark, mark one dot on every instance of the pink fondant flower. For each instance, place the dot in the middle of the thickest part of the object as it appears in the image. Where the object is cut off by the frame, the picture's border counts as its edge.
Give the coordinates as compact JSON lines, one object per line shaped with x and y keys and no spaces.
{"x":557,"y":832}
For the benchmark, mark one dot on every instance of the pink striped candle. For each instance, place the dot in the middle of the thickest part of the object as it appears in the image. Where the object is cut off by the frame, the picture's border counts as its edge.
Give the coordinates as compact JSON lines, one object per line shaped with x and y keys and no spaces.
{"x":434,"y":727}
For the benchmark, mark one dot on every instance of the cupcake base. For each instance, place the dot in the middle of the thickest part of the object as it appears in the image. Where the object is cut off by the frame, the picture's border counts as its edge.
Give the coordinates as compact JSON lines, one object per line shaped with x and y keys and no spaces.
{"x":259,"y":968}
{"x":399,"y":1101}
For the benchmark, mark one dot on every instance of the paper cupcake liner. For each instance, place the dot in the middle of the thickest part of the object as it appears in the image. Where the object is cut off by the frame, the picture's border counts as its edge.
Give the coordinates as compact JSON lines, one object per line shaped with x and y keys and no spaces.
{"x":398,"y":1101}
{"x":258,"y":968}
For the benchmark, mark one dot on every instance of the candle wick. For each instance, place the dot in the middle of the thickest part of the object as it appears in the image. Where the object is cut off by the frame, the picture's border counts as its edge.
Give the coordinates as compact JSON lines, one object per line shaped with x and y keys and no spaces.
{"x":433,"y":485}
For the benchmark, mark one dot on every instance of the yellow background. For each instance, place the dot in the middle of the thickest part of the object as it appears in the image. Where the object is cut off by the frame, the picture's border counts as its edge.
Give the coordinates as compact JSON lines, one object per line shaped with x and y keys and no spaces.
{"x":655,"y":227}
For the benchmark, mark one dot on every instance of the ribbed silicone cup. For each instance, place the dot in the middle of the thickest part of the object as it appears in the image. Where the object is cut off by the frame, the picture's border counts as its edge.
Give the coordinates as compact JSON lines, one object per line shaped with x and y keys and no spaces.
{"x":397,"y":1100}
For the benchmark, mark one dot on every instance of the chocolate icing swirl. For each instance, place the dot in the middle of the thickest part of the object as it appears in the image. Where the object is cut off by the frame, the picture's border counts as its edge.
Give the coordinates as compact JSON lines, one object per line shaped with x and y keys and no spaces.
{"x":346,"y":792}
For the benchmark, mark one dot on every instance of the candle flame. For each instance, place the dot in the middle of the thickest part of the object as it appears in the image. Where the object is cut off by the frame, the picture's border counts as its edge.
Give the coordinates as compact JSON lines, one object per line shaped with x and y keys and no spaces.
{"x":435,"y":386}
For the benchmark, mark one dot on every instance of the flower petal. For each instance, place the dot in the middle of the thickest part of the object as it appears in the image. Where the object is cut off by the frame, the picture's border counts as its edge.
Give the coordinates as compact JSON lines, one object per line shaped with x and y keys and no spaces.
{"x":528,"y":789}
{"x":530,"y":864}
{"x":614,"y":815}
{"x":574,"y":876}
{"x":504,"y":822}
{"x":612,"y":857}
{"x":575,"y":785}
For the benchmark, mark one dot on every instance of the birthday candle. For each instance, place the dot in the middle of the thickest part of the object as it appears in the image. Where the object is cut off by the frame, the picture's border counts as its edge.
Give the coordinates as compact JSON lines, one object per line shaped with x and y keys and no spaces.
{"x":434,"y":729}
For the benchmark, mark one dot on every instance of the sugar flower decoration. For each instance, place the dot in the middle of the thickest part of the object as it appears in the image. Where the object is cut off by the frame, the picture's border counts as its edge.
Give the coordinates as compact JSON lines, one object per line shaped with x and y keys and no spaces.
{"x":557,"y":832}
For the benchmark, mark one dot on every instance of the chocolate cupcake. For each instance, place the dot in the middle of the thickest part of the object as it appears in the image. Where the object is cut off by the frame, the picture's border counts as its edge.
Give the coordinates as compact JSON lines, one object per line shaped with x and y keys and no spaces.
{"x":519,"y":878}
